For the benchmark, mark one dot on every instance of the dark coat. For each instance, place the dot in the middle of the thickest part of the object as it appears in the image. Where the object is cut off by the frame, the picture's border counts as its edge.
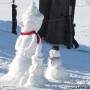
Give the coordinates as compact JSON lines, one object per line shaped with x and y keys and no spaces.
{"x":45,"y":8}
{"x":55,"y":26}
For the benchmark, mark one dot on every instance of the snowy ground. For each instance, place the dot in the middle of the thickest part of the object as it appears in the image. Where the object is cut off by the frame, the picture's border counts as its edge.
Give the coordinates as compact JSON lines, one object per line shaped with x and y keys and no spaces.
{"x":76,"y":61}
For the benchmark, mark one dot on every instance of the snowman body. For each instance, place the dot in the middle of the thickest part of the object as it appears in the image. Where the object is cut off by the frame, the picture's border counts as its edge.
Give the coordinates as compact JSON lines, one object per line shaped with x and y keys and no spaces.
{"x":55,"y":71}
{"x":35,"y":74}
{"x":28,"y":44}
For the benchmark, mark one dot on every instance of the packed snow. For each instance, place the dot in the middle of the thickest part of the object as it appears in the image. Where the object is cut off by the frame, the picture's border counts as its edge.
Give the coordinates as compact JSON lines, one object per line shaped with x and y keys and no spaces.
{"x":74,"y":62}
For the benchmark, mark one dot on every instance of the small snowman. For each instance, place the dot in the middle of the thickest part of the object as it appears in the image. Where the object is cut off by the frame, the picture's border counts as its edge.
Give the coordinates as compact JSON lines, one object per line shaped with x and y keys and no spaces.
{"x":55,"y":70}
{"x":28,"y":44}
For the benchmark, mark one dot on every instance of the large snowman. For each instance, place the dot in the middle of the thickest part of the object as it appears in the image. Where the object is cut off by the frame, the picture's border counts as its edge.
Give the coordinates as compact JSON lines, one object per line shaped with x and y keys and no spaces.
{"x":27,"y":63}
{"x":35,"y":75}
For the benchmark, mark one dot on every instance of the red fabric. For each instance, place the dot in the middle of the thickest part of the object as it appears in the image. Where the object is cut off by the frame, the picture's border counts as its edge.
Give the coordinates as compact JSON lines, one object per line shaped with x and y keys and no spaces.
{"x":32,"y":32}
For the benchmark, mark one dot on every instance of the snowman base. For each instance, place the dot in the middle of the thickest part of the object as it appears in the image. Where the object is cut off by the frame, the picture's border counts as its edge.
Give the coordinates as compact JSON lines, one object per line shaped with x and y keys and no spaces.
{"x":8,"y":80}
{"x":35,"y":72}
{"x":34,"y":81}
{"x":55,"y":74}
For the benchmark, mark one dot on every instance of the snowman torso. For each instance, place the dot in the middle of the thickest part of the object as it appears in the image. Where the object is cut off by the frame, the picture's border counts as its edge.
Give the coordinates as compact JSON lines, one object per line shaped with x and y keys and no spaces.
{"x":31,"y":21}
{"x":26,"y":39}
{"x":55,"y":61}
{"x":28,"y":43}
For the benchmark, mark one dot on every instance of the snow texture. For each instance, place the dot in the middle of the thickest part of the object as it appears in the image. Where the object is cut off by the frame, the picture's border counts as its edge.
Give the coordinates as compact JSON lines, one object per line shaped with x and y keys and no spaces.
{"x":75,"y":61}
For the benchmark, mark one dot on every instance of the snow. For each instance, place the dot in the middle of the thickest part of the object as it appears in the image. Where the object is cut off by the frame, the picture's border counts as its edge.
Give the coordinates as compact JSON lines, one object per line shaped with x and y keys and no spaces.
{"x":75,"y":61}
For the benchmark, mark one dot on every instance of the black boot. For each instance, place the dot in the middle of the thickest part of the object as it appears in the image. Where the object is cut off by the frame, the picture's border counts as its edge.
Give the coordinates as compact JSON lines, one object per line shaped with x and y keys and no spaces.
{"x":75,"y":43}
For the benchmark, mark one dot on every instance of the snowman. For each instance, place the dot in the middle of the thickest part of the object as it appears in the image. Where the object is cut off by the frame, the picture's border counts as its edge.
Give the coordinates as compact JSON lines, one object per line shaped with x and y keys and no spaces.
{"x":35,"y":74}
{"x":28,"y":44}
{"x":55,"y":71}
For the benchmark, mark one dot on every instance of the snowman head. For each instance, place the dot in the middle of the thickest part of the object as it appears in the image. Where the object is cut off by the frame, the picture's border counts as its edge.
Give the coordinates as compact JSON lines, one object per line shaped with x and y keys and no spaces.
{"x":32,"y":18}
{"x":54,"y":52}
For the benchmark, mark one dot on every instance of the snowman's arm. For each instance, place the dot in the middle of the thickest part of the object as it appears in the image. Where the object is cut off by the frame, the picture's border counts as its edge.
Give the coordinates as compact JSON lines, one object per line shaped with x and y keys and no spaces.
{"x":32,"y":44}
{"x":18,"y":42}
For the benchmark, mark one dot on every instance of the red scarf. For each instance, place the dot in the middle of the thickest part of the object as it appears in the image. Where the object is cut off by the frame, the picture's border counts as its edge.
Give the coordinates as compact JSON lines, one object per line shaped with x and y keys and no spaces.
{"x":32,"y":32}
